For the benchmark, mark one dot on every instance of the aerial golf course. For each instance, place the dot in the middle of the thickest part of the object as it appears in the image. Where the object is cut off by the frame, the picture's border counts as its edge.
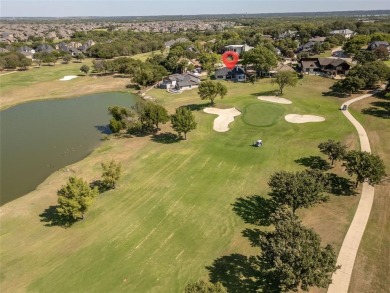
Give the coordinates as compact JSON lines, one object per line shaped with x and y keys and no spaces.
{"x":171,"y":214}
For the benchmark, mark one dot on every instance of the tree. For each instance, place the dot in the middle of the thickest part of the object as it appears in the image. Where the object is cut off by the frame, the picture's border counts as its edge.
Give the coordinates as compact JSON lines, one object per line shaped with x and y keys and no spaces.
{"x":364,"y":56}
{"x":333,"y":149}
{"x":67,"y":58}
{"x":75,"y":198}
{"x":183,"y":121}
{"x":382,"y":53}
{"x":111,"y":174}
{"x":84,"y":69}
{"x":210,"y":90}
{"x":285,"y":78}
{"x":80,"y":56}
{"x":120,"y":118}
{"x":366,"y":167}
{"x":150,"y":115}
{"x":349,"y":85}
{"x":293,"y":255}
{"x":262,"y":58}
{"x":204,"y":287}
{"x":297,"y":190}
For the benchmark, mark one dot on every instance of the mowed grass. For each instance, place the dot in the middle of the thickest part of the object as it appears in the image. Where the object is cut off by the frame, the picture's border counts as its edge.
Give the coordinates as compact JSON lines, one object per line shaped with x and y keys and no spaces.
{"x":372,"y":264}
{"x":171,"y":214}
{"x":45,"y":73}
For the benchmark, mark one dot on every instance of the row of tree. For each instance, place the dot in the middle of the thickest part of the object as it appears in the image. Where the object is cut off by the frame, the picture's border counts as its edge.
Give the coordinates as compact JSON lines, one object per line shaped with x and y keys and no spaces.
{"x":75,"y":198}
{"x":365,"y":76}
{"x":14,"y":60}
{"x":145,"y":117}
{"x":292,"y":256}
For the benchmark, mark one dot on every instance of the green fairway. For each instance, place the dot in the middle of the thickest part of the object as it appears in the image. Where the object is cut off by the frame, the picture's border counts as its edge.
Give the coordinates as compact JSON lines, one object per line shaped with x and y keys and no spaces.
{"x":23,"y":79}
{"x":171,"y":214}
{"x":262,"y":114}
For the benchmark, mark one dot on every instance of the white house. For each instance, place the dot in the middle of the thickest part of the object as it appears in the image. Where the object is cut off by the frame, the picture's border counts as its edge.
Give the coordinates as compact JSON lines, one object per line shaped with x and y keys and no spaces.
{"x":238,"y":48}
{"x":347,"y":33}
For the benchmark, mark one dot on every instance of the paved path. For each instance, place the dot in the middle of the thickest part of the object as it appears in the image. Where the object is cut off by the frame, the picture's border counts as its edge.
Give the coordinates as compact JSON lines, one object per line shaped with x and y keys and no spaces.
{"x":349,"y":249}
{"x":8,"y":73}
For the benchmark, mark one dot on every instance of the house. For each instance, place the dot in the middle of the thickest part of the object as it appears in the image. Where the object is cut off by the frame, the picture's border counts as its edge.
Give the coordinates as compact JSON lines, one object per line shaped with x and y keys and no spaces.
{"x":377,"y":44}
{"x":238,"y":48}
{"x":288,"y":34}
{"x":306,"y":47}
{"x":280,"y":67}
{"x":317,"y":40}
{"x":26,"y":51}
{"x":44,"y":48}
{"x":346,"y":33}
{"x":235,"y":74}
{"x":329,"y":66}
{"x":178,"y":40}
{"x":185,"y":81}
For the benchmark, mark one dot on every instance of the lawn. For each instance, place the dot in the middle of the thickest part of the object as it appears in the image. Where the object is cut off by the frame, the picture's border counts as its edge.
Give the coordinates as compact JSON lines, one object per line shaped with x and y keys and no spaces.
{"x":171,"y":214}
{"x":372,"y":265}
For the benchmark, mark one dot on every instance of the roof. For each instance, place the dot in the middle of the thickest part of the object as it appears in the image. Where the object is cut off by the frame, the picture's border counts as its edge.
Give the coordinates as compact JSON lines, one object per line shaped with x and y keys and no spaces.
{"x":317,"y":39}
{"x":342,"y":32}
{"x":282,"y":67}
{"x":310,"y":63}
{"x":188,"y":77}
{"x":226,"y":71}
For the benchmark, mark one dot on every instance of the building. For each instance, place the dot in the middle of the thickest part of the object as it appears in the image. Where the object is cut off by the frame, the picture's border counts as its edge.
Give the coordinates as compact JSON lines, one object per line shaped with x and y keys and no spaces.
{"x":377,"y":44}
{"x":346,"y":33}
{"x":185,"y":81}
{"x":328,"y":66}
{"x":235,"y":74}
{"x":238,"y":48}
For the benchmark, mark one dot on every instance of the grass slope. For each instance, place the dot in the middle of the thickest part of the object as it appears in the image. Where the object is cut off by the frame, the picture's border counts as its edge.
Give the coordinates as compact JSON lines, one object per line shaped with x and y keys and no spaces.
{"x":171,"y":214}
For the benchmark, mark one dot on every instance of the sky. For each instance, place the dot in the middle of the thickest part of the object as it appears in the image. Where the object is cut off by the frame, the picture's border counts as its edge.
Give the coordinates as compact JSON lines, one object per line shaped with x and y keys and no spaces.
{"x":58,"y":8}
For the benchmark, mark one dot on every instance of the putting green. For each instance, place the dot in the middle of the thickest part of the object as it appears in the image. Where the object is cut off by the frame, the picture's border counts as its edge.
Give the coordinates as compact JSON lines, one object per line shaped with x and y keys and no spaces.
{"x":263,"y":114}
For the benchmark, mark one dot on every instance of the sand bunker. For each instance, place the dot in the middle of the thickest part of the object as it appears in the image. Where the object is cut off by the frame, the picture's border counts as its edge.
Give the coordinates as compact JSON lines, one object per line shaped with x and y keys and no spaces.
{"x":296,"y":118}
{"x":225,"y":117}
{"x":68,"y":77}
{"x":274,"y":99}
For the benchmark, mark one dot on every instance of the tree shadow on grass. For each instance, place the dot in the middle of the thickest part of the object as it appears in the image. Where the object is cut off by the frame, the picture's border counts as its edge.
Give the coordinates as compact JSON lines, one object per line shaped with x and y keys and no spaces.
{"x":166,"y":138}
{"x":379,"y":109}
{"x":267,"y":93}
{"x":253,"y":236}
{"x":314,"y":162}
{"x":239,"y":273}
{"x":341,"y":186}
{"x":197,"y":107}
{"x":254,"y":209}
{"x":51,"y":218}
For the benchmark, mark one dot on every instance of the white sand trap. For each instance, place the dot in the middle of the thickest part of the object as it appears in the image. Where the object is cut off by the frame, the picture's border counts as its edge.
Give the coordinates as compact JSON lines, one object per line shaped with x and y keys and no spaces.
{"x":296,"y":118}
{"x":68,"y":77}
{"x":274,"y":99}
{"x":225,"y":117}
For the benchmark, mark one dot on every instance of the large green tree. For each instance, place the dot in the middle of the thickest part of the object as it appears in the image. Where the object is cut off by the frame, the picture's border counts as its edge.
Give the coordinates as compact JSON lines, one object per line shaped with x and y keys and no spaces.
{"x":183,"y":121}
{"x":262,"y":58}
{"x":209,"y":90}
{"x":285,"y":78}
{"x":111,"y":174}
{"x":293,"y":255}
{"x":75,"y":198}
{"x":335,"y":150}
{"x":349,"y":85}
{"x":296,"y":190}
{"x":366,"y":167}
{"x":84,"y":69}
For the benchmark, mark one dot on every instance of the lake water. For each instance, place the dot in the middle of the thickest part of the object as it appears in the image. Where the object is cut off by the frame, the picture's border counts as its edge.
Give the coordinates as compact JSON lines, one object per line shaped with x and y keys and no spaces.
{"x":41,"y":137}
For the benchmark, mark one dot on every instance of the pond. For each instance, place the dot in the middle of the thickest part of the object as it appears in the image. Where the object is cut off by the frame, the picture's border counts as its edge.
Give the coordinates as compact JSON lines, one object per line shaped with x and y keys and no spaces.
{"x":38,"y":138}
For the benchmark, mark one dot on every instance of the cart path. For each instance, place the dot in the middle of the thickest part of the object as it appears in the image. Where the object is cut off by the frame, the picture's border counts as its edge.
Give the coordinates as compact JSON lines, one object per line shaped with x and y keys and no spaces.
{"x":347,"y":255}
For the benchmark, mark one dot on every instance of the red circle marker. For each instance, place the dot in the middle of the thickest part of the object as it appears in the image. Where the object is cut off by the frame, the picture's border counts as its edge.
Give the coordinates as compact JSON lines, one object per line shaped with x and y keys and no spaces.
{"x":230,"y":59}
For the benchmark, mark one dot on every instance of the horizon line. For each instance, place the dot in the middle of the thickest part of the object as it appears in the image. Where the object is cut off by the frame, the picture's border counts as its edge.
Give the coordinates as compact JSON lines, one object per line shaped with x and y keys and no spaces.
{"x":202,"y":14}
